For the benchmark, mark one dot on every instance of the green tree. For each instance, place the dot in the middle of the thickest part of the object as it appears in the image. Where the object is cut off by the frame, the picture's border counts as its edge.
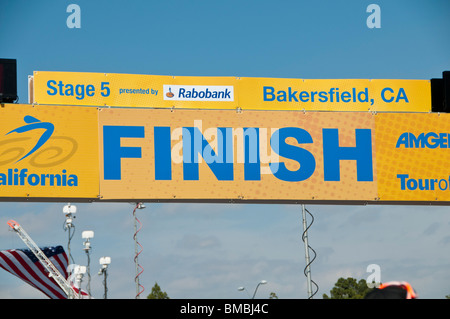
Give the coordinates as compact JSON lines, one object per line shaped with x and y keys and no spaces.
{"x":348,"y":288}
{"x":273,"y":296}
{"x":157,"y":293}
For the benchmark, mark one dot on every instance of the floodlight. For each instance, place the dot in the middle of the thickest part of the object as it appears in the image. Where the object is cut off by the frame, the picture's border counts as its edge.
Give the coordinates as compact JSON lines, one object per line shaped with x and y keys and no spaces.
{"x":87,"y":234}
{"x":69,"y":209}
{"x":104,"y":261}
{"x":79,"y":269}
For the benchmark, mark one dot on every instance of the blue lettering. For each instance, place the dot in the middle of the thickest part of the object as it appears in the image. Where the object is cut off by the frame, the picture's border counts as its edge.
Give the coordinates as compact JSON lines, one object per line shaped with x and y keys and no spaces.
{"x":292,"y":95}
{"x":79,"y":90}
{"x":423,"y":140}
{"x":434,"y":144}
{"x":163,"y":153}
{"x":416,"y":142}
{"x":268,"y":93}
{"x":90,"y":90}
{"x":304,"y":96}
{"x":323,"y":97}
{"x":252,"y":165}
{"x":68,"y":91}
{"x":333,"y":154}
{"x":49,"y":85}
{"x":113,"y":152}
{"x":281,"y":96}
{"x":302,"y":156}
{"x":387,"y":100}
{"x":363,"y":93}
{"x":402,"y":95}
{"x":402,"y":140}
{"x":194,"y":143}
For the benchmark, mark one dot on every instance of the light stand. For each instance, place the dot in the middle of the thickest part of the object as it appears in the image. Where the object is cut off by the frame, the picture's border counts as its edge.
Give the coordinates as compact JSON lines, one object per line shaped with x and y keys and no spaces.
{"x":88,"y":234}
{"x":69,"y":211}
{"x":104,"y":261}
{"x":79,"y":273}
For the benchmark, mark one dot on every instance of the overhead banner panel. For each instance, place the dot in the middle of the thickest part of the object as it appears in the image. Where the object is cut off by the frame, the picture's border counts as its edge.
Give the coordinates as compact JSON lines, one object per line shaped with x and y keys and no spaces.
{"x":131,"y":90}
{"x":48,"y":152}
{"x":246,"y":93}
{"x":222,"y":155}
{"x":219,"y":155}
{"x":335,"y":95}
{"x":412,"y":157}
{"x":139,"y":154}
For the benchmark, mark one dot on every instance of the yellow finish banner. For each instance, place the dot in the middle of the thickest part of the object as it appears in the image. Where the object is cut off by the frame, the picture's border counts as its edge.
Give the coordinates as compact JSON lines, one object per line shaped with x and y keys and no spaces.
{"x":224,"y":155}
{"x":57,"y":152}
{"x":48,"y":152}
{"x":274,"y":156}
{"x":246,"y":93}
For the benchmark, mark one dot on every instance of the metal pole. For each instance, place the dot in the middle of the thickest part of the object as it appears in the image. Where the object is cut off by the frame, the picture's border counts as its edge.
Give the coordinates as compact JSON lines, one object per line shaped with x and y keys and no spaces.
{"x":89,"y":274}
{"x":105,"y":295}
{"x":305,"y":239}
{"x":136,"y":250}
{"x":136,"y":254}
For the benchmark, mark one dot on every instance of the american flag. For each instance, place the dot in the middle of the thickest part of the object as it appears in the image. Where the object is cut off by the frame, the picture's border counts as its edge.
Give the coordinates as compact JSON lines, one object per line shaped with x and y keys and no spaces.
{"x":25,"y":265}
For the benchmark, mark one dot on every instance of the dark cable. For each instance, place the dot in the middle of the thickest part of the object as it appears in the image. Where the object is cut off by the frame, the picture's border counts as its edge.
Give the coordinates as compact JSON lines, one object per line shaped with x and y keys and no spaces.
{"x":315,"y":255}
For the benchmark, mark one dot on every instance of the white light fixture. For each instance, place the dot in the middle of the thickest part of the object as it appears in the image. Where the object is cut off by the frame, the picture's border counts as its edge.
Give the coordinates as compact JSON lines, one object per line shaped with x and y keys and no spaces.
{"x":262,"y":282}
{"x":79,"y":270}
{"x":105,"y":261}
{"x":69,"y":209}
{"x":87,"y":234}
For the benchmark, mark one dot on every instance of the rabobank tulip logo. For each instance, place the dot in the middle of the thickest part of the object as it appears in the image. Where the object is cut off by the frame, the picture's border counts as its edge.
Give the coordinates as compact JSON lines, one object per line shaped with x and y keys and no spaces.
{"x":209,"y":93}
{"x":34,"y":146}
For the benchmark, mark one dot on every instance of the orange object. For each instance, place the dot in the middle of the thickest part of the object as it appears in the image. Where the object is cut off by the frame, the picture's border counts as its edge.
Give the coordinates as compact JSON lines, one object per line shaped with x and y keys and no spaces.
{"x":410,"y":293}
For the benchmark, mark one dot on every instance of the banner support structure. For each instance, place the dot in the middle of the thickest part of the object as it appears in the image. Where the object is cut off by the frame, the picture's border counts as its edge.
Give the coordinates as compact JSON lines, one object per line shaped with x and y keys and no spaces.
{"x":308,"y":263}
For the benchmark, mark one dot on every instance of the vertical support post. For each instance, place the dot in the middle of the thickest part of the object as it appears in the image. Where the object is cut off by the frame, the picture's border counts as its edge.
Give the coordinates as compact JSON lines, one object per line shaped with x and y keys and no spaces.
{"x":305,"y":240}
{"x":137,"y":251}
{"x":136,"y":254}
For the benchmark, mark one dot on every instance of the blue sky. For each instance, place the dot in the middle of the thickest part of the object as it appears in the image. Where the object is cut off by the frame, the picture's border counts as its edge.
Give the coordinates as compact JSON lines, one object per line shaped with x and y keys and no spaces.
{"x":209,"y":250}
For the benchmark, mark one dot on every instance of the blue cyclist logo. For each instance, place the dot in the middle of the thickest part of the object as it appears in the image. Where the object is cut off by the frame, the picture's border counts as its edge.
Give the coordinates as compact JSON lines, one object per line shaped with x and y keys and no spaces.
{"x":34,"y":124}
{"x":48,"y":151}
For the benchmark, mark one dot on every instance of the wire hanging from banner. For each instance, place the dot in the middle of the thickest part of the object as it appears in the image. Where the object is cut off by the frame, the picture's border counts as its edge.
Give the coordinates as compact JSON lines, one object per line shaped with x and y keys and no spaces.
{"x":139,"y":268}
{"x":307,"y":270}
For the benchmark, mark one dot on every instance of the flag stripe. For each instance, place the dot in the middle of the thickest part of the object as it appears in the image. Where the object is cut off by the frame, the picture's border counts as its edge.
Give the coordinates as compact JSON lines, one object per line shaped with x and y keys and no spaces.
{"x":60,"y":261}
{"x":37,"y":273}
{"x":16,"y":264}
{"x":24,"y":265}
{"x":5,"y":263}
